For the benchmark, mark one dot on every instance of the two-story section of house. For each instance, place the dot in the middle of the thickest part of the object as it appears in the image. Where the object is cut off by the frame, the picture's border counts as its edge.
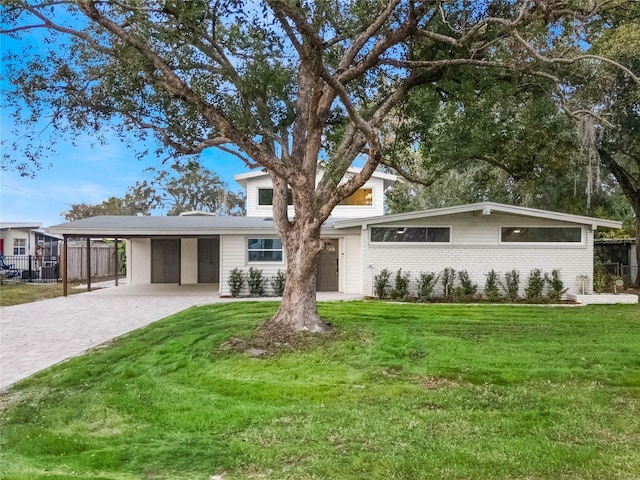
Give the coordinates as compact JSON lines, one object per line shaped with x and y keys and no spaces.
{"x":339,"y":264}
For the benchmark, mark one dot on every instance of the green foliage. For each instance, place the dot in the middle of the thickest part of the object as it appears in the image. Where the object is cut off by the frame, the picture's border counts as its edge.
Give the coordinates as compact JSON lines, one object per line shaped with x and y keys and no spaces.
{"x":255,"y":281}
{"x":556,"y":285}
{"x":426,"y":285}
{"x":511,"y":285}
{"x":129,"y":205}
{"x":535,"y":287}
{"x":236,"y":281}
{"x":180,"y":398}
{"x":400,"y":290}
{"x":381,"y":283}
{"x":599,"y":276}
{"x":188,"y":187}
{"x":278,"y":282}
{"x":184,"y":187}
{"x":468,"y":287}
{"x":491,"y":291}
{"x":448,"y":280}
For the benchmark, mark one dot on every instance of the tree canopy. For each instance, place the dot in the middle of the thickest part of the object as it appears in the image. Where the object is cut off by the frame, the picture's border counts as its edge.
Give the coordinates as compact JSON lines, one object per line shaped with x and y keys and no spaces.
{"x":284,"y":85}
{"x":184,"y":187}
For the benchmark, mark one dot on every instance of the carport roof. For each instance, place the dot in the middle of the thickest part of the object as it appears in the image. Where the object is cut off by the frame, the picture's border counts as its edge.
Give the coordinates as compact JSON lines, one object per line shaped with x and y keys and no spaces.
{"x":130,"y":226}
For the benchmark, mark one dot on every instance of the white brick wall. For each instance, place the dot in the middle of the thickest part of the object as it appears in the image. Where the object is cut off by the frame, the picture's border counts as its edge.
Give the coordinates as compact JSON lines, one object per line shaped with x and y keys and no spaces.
{"x":477,"y":260}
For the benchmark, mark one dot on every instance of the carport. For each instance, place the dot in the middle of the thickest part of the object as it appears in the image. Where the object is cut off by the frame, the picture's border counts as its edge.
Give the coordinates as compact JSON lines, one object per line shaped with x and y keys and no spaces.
{"x":172,"y":250}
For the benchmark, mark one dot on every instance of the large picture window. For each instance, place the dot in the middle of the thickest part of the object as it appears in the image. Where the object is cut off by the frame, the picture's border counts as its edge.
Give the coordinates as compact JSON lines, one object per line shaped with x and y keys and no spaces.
{"x":541,"y":235}
{"x":264,"y":250}
{"x":411,"y":234}
{"x":265,"y":196}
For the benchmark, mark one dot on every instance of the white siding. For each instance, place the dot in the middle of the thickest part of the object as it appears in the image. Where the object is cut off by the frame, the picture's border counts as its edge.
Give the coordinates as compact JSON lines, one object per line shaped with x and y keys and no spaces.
{"x":139,"y":260}
{"x":233,"y":254}
{"x":10,"y":234}
{"x":377,"y":207}
{"x":253,"y":209}
{"x":475,"y":247}
{"x":188,"y":261}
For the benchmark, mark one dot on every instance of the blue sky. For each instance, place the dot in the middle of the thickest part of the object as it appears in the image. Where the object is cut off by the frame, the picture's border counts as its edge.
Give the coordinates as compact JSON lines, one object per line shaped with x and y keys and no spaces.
{"x":83,"y":172}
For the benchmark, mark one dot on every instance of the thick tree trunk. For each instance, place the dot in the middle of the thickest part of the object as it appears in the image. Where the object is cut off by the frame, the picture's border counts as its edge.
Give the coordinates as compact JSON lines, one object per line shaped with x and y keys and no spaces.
{"x":298,"y":310}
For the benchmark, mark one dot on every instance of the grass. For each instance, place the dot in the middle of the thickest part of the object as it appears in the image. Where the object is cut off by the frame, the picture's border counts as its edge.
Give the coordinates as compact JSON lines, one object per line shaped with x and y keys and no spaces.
{"x":18,"y":293}
{"x":403,"y":392}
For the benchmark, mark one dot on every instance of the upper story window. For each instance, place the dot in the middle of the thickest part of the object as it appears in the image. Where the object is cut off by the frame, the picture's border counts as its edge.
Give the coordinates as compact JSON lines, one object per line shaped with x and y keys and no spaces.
{"x":264,"y":250}
{"x":411,"y":234}
{"x":361,"y":197}
{"x":265,"y":196}
{"x":19,"y":246}
{"x":541,"y":234}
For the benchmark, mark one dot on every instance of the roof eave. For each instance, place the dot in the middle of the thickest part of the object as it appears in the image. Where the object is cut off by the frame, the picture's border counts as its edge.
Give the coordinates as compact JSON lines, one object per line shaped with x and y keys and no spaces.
{"x":486,"y":208}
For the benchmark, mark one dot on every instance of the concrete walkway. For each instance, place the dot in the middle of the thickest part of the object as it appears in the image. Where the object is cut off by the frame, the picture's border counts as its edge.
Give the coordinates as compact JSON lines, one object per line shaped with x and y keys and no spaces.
{"x":34,"y":336}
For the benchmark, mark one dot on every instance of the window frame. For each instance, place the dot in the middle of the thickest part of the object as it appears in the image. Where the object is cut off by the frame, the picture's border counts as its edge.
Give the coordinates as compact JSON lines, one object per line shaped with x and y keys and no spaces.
{"x":568,"y":244}
{"x":289,"y":197}
{"x":413,"y":244}
{"x":372,"y":204}
{"x":23,"y":247}
{"x":265,"y":262}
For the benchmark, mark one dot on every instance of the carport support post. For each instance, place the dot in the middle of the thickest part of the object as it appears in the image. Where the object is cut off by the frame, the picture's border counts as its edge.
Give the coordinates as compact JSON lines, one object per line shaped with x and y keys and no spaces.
{"x":116,"y":245}
{"x":65,"y":251}
{"x":88,"y":264}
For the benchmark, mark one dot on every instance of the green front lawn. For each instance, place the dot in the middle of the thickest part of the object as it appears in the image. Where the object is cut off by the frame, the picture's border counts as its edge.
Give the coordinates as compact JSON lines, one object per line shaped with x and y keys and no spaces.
{"x":402,"y":392}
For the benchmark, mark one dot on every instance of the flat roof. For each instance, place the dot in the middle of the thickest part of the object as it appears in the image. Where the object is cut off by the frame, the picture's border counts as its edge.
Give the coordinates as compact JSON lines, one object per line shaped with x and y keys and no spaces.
{"x":8,"y":225}
{"x":128,"y":226}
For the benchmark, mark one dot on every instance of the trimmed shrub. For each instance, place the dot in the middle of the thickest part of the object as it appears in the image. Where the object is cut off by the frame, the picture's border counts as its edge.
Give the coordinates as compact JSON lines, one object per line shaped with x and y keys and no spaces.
{"x":533,"y":292}
{"x":381,"y":283}
{"x":236,"y":281}
{"x":278,"y":282}
{"x":426,"y":285}
{"x":512,"y":285}
{"x":556,"y":286}
{"x":468,"y":287}
{"x":400,"y":290}
{"x":448,"y":279}
{"x":491,"y":291}
{"x":256,"y":281}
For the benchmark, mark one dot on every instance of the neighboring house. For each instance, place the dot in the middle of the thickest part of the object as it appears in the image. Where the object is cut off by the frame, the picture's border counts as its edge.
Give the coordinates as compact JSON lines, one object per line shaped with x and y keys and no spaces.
{"x":27,"y":238}
{"x":359,"y":241}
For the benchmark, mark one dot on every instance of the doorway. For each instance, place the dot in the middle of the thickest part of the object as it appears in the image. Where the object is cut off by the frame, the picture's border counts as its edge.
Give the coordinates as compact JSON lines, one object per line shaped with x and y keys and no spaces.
{"x":328,"y":273}
{"x":208,"y":260}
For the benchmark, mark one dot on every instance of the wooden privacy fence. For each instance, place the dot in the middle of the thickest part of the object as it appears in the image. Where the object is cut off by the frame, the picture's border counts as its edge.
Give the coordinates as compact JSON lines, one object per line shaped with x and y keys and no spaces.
{"x":103,"y":261}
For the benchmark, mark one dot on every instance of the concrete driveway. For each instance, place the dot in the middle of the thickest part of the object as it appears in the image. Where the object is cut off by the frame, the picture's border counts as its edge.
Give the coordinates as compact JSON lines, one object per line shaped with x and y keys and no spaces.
{"x":34,"y":336}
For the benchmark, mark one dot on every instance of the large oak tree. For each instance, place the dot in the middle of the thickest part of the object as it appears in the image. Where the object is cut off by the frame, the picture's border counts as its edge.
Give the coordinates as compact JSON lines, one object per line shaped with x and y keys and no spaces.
{"x":286,"y":85}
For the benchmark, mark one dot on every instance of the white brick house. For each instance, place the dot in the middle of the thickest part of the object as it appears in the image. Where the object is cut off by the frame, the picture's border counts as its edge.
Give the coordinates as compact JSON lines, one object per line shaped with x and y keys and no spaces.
{"x":360,"y":241}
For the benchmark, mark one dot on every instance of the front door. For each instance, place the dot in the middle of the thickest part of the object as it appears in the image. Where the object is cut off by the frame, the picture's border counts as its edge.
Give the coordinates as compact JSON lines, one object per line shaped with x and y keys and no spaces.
{"x":327,"y":280}
{"x":208,"y":260}
{"x":165,"y":260}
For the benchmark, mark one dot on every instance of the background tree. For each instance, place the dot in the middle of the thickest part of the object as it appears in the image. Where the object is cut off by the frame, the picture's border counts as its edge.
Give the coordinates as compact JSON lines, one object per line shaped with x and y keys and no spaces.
{"x":182,"y":188}
{"x":282,"y":85}
{"x":129,"y":205}
{"x":613,"y":133}
{"x":188,"y":187}
{"x":491,"y":137}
